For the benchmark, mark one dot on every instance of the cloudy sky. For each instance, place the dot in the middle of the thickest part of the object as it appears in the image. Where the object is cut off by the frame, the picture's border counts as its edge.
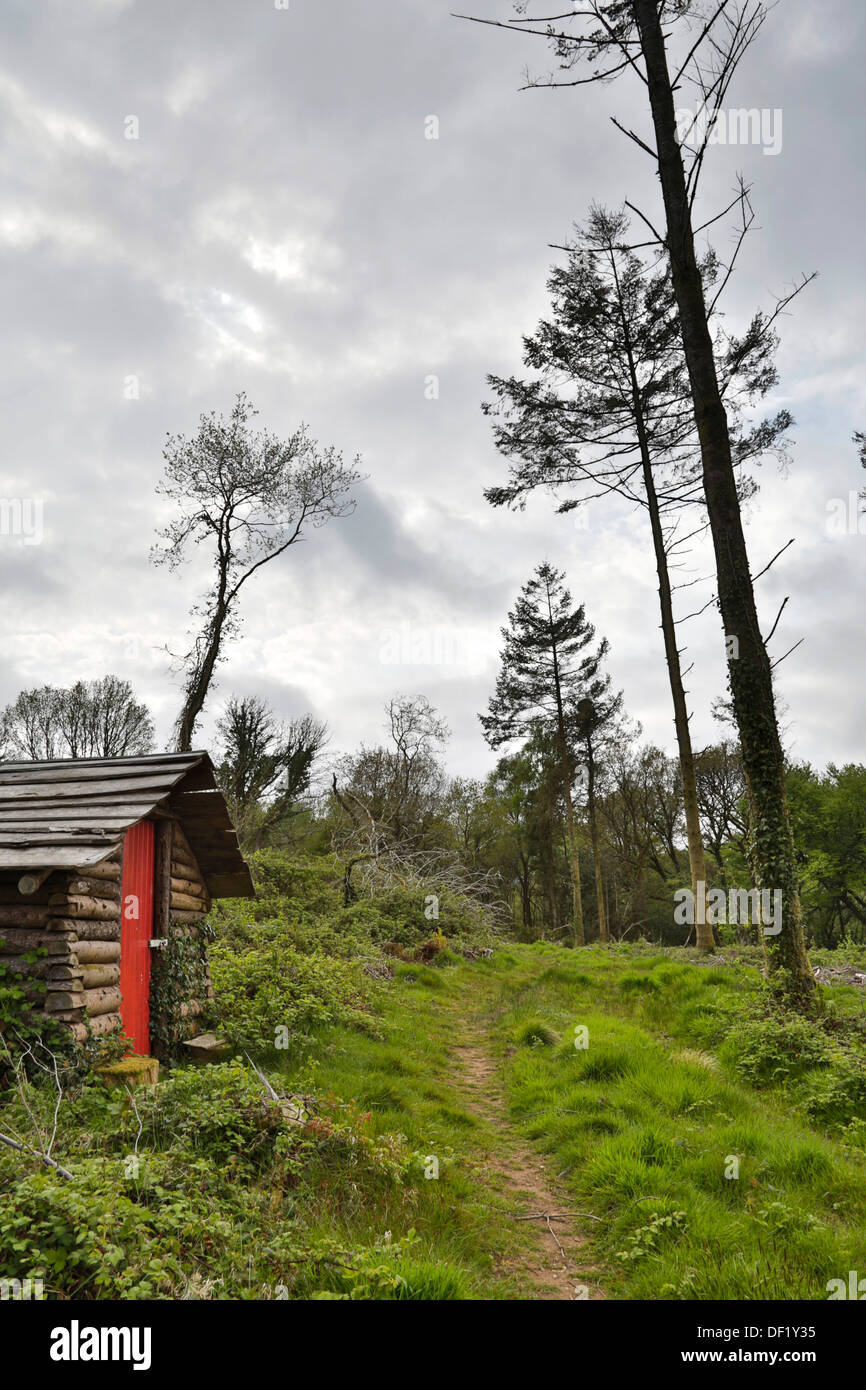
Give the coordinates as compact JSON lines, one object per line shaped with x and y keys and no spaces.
{"x":225,"y":195}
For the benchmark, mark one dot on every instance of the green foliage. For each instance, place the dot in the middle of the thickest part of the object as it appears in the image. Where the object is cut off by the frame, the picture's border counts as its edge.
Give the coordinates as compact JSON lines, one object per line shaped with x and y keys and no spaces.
{"x":768,"y":1050}
{"x":400,"y":916}
{"x":828,"y":813}
{"x":385,"y":1273}
{"x":275,"y":995}
{"x":222,"y":1112}
{"x":300,"y":902}
{"x":838,"y":1098}
{"x":195,"y":1189}
{"x":645,"y":1240}
{"x":88,"y":1238}
{"x":287,"y":882}
{"x":535,"y":1033}
{"x":179,"y":974}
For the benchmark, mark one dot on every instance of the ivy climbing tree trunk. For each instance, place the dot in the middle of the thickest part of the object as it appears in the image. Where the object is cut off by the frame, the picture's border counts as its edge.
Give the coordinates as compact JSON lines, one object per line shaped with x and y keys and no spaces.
{"x":749,"y":671}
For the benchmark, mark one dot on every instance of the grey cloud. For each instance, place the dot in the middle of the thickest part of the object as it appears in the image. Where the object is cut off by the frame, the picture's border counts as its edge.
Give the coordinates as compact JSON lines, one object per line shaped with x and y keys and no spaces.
{"x":282,"y":226}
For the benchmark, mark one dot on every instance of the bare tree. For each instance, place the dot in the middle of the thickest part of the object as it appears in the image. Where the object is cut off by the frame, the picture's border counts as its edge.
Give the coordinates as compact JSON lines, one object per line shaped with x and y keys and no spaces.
{"x":91,"y":719}
{"x":391,"y":796}
{"x":30,"y":724}
{"x":249,"y":497}
{"x":721,"y":794}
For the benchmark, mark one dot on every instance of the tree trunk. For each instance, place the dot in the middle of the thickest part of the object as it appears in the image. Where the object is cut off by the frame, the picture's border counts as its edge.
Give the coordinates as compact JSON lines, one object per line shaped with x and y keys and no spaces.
{"x":525,"y":894}
{"x":603,"y":930}
{"x":573,"y":853}
{"x":199,"y":680}
{"x":697,"y":861}
{"x":749,"y":671}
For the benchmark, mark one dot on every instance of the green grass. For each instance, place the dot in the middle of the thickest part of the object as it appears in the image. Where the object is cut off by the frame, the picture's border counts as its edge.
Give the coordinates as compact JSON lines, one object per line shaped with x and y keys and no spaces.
{"x":466,"y":1242}
{"x":645,"y":1121}
{"x":652,"y":1114}
{"x":646,"y":1081}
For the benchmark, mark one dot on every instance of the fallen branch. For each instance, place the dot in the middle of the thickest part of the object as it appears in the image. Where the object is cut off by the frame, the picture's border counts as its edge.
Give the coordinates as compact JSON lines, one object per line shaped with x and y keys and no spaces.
{"x":558,"y":1216}
{"x":22,"y":1148}
{"x":546,"y":1216}
{"x":264,"y":1080}
{"x":548,"y":1219}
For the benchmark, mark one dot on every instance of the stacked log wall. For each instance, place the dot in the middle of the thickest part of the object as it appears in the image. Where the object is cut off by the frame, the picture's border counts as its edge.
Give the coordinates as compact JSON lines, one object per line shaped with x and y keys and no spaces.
{"x":75,"y":917}
{"x":188,"y":905}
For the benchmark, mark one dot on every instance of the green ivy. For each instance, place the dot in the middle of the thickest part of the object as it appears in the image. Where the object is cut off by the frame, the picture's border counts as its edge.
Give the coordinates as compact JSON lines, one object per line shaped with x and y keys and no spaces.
{"x":22,"y":1021}
{"x":179,"y":973}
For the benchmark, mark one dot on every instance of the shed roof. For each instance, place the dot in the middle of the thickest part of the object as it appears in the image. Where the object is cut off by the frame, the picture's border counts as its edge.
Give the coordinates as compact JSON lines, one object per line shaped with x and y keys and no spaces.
{"x":73,"y":813}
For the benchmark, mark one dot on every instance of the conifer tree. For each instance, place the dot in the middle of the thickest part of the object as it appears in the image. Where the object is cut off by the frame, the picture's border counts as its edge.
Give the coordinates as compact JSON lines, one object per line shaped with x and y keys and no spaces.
{"x":548,"y":665}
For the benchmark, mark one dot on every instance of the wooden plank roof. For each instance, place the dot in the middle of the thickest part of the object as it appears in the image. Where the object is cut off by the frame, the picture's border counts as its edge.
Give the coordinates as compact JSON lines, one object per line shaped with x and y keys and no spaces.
{"x":71,"y":814}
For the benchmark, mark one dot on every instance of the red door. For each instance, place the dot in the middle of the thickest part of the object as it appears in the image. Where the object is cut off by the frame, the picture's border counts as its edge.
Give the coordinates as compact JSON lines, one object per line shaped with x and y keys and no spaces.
{"x":136,"y":930}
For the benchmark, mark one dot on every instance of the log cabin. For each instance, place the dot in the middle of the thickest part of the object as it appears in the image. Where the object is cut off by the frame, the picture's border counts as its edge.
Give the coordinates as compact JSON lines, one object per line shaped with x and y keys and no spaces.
{"x":104,"y":862}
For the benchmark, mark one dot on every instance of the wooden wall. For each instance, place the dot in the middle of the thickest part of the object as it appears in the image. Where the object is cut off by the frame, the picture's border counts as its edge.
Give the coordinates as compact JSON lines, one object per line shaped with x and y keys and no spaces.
{"x":188,"y":905}
{"x":76,"y":917}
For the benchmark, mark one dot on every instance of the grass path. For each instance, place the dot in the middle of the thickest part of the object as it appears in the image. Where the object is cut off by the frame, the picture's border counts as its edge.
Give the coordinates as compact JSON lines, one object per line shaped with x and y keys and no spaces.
{"x":555,"y":1267}
{"x":669,"y":1175}
{"x":549,"y":1260}
{"x":498,"y":1213}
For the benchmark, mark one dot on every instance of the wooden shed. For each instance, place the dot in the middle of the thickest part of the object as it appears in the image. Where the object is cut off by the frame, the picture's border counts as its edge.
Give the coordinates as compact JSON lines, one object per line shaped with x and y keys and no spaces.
{"x":105,"y":863}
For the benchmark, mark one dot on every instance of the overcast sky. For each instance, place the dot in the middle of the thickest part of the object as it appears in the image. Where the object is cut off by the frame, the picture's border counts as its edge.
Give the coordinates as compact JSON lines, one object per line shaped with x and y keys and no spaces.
{"x":283,"y":225}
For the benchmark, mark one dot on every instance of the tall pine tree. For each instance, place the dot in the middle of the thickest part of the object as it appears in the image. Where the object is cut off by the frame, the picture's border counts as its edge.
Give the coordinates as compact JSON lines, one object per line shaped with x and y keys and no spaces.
{"x":548,"y":666}
{"x":607,"y":412}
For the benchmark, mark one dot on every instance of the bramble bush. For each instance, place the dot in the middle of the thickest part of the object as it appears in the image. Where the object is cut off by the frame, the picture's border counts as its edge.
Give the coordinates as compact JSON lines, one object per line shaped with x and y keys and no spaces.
{"x":222,"y":1111}
{"x":300,"y":902}
{"x":776,"y":1048}
{"x":151,"y":1212}
{"x":258,"y":991}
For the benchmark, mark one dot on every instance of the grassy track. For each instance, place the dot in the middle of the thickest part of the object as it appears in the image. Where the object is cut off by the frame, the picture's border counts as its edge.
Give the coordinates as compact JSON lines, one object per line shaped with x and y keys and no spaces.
{"x":690,"y":1183}
{"x":545,"y":1124}
{"x":482,"y":1224}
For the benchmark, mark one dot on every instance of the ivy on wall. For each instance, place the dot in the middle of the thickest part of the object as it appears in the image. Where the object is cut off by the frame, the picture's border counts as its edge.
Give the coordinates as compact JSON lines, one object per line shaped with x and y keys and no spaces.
{"x":179,"y":974}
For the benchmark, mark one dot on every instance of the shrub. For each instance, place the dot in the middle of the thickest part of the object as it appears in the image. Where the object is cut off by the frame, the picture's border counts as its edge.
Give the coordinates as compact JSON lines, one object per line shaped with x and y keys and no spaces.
{"x":278,"y":995}
{"x":222,"y":1111}
{"x":768,"y":1050}
{"x":838,"y":1097}
{"x":400,"y":916}
{"x":84,"y":1236}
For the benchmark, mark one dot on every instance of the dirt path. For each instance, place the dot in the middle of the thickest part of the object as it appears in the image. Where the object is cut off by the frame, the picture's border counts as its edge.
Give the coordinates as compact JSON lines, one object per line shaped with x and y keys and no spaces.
{"x":555,"y":1267}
